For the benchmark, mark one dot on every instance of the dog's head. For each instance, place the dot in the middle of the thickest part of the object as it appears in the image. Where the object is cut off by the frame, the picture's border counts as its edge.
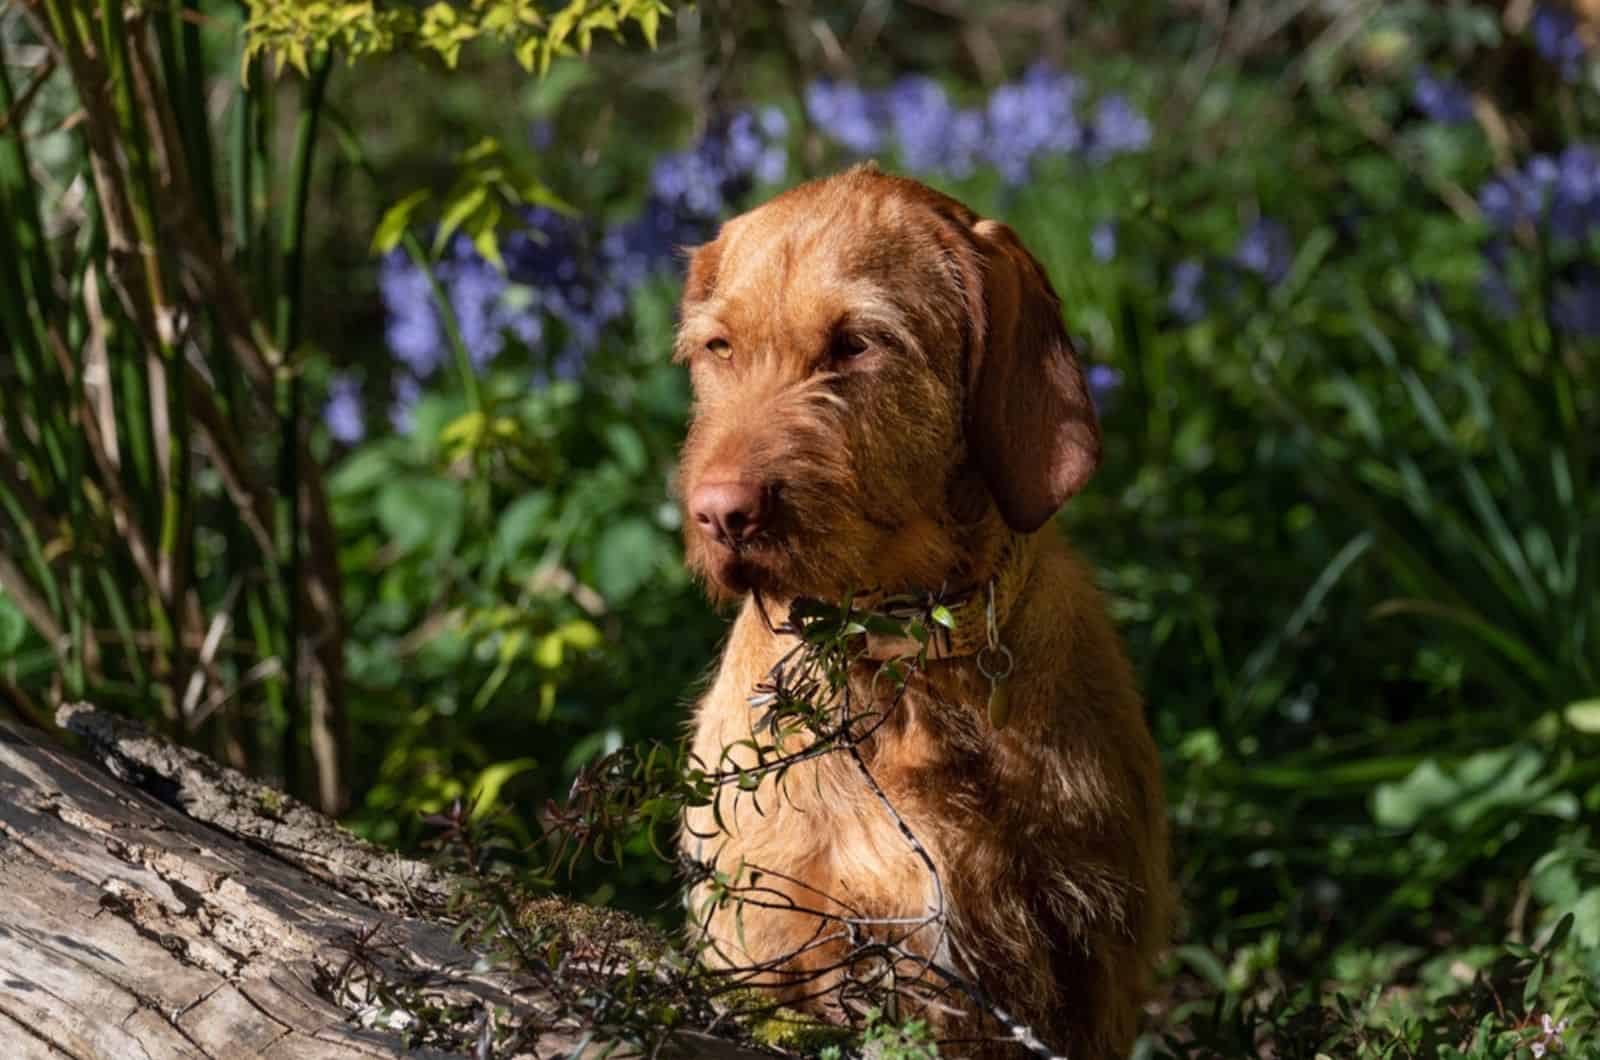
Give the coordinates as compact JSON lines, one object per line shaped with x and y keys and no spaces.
{"x":879,"y":375}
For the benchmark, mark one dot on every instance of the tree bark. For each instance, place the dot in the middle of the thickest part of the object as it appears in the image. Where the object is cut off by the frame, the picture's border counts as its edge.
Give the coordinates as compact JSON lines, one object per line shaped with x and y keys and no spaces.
{"x":160,"y":906}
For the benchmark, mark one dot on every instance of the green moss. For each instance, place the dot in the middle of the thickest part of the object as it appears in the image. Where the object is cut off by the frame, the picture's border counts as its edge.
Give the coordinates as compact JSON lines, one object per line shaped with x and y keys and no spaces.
{"x":593,"y":926}
{"x":270,"y":802}
{"x":794,"y":1033}
{"x":783,"y":1028}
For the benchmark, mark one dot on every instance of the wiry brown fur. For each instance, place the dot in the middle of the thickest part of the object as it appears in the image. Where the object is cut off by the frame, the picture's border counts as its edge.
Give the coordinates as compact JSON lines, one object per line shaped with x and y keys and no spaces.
{"x":906,"y":468}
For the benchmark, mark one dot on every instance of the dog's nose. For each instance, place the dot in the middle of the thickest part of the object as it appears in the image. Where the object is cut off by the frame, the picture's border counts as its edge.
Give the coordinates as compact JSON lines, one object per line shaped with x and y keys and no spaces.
{"x":731,"y":512}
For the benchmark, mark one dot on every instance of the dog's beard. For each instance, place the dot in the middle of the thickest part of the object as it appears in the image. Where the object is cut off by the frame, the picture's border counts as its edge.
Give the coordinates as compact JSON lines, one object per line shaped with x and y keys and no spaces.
{"x":828,"y":561}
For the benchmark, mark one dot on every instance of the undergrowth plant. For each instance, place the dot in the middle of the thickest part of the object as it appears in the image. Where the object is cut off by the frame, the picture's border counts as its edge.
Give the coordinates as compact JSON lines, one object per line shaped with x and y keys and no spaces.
{"x":165,"y":522}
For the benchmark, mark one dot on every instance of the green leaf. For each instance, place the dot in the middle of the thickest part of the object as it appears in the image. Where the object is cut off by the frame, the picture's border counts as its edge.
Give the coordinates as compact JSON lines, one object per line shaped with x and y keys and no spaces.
{"x":13,"y":627}
{"x":581,"y":635}
{"x":1586,"y":919}
{"x":626,"y":554}
{"x":533,"y":193}
{"x":1402,"y":805}
{"x":649,"y":25}
{"x":364,"y":469}
{"x":551,"y":650}
{"x":943,"y":617}
{"x":392,"y":228}
{"x":486,"y":789}
{"x":1206,"y":964}
{"x":1558,"y":937}
{"x":456,"y":213}
{"x":628,"y":446}
{"x":1530,"y":990}
{"x":1584,"y":715}
{"x":416,"y":511}
{"x":521,"y":522}
{"x":485,"y":231}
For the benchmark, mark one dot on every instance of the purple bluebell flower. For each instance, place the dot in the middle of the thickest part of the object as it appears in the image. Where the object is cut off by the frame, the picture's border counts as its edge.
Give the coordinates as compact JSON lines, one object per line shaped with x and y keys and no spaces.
{"x":1023,"y":121}
{"x":773,"y":163}
{"x":1441,"y":99}
{"x":411,"y":326}
{"x":920,"y":115}
{"x":1521,"y":196}
{"x":543,"y":252}
{"x":692,"y":179}
{"x":559,"y":271}
{"x":742,"y":143}
{"x":475,"y":287}
{"x":1561,"y":192}
{"x":932,"y":135}
{"x":1103,"y":241}
{"x":1266,"y":250}
{"x":846,"y":114}
{"x":1032,"y":118}
{"x":774,"y":123}
{"x":966,"y":136}
{"x":1104,"y":381}
{"x":1555,"y":37}
{"x":1575,"y":193}
{"x":1575,"y":308}
{"x":1117,"y":129}
{"x":1185,"y":301}
{"x":342,"y":413}
{"x":702,"y":180}
{"x":1501,"y":201}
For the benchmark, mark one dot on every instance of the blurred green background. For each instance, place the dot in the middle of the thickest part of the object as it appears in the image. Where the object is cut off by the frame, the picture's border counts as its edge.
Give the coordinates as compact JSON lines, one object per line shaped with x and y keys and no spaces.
{"x":337,"y":424}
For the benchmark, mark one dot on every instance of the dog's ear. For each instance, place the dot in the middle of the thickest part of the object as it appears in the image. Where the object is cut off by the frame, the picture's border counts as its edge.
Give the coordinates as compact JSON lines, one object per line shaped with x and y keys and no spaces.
{"x":1030,"y":422}
{"x":704,"y":261}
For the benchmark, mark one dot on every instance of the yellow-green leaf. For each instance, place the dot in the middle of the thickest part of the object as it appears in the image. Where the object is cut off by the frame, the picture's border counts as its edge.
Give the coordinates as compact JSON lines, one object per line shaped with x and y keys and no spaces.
{"x":551,"y":649}
{"x":486,"y":789}
{"x":392,"y":228}
{"x":580,"y":634}
{"x":1584,"y":715}
{"x":485,"y":230}
{"x":455,"y":213}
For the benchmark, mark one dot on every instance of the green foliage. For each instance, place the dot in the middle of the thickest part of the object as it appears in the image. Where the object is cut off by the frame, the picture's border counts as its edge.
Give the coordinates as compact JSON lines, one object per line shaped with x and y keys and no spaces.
{"x":295,"y":32}
{"x":883,"y":1039}
{"x":490,"y":184}
{"x":1521,"y":1002}
{"x":510,"y":568}
{"x":167,"y":541}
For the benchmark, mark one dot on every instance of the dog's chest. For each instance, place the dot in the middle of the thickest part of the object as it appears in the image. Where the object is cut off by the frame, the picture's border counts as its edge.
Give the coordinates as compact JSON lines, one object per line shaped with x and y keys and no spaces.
{"x":839,"y":821}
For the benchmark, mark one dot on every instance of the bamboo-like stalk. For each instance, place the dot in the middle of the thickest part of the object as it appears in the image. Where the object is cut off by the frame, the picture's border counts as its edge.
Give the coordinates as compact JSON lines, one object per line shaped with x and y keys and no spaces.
{"x":326,"y":721}
{"x":258,"y":549}
{"x":124,"y":397}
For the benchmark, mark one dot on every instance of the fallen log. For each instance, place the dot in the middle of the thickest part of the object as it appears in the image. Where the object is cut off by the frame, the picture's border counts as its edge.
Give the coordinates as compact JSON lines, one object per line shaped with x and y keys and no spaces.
{"x":155,"y":904}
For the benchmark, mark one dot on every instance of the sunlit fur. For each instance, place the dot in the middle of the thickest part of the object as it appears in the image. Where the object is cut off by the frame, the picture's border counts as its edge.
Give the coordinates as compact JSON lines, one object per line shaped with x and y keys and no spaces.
{"x":1049,"y":835}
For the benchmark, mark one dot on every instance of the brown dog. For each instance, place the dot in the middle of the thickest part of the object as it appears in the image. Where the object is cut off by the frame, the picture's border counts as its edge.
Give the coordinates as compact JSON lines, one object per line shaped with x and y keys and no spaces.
{"x":886,"y":399}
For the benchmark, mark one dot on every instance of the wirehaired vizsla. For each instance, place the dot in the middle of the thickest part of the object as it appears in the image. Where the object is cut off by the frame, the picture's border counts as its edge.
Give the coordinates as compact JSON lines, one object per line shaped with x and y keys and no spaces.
{"x":886,"y":401}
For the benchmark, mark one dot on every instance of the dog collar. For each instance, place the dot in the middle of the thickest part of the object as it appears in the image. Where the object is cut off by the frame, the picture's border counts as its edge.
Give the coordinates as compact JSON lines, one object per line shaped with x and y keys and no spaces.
{"x":964,"y":623}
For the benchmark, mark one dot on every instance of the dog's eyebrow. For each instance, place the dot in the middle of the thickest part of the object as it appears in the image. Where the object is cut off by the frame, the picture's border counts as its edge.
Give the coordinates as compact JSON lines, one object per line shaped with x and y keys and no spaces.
{"x":868,"y":308}
{"x":694,"y":331}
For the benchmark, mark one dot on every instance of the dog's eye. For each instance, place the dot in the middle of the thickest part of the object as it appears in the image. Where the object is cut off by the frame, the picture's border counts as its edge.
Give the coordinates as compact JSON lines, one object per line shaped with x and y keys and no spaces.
{"x":847,"y":345}
{"x":722,"y":348}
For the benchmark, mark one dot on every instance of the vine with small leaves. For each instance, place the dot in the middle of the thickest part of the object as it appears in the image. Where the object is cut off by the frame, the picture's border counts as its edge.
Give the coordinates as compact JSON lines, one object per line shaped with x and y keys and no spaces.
{"x":639,"y":989}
